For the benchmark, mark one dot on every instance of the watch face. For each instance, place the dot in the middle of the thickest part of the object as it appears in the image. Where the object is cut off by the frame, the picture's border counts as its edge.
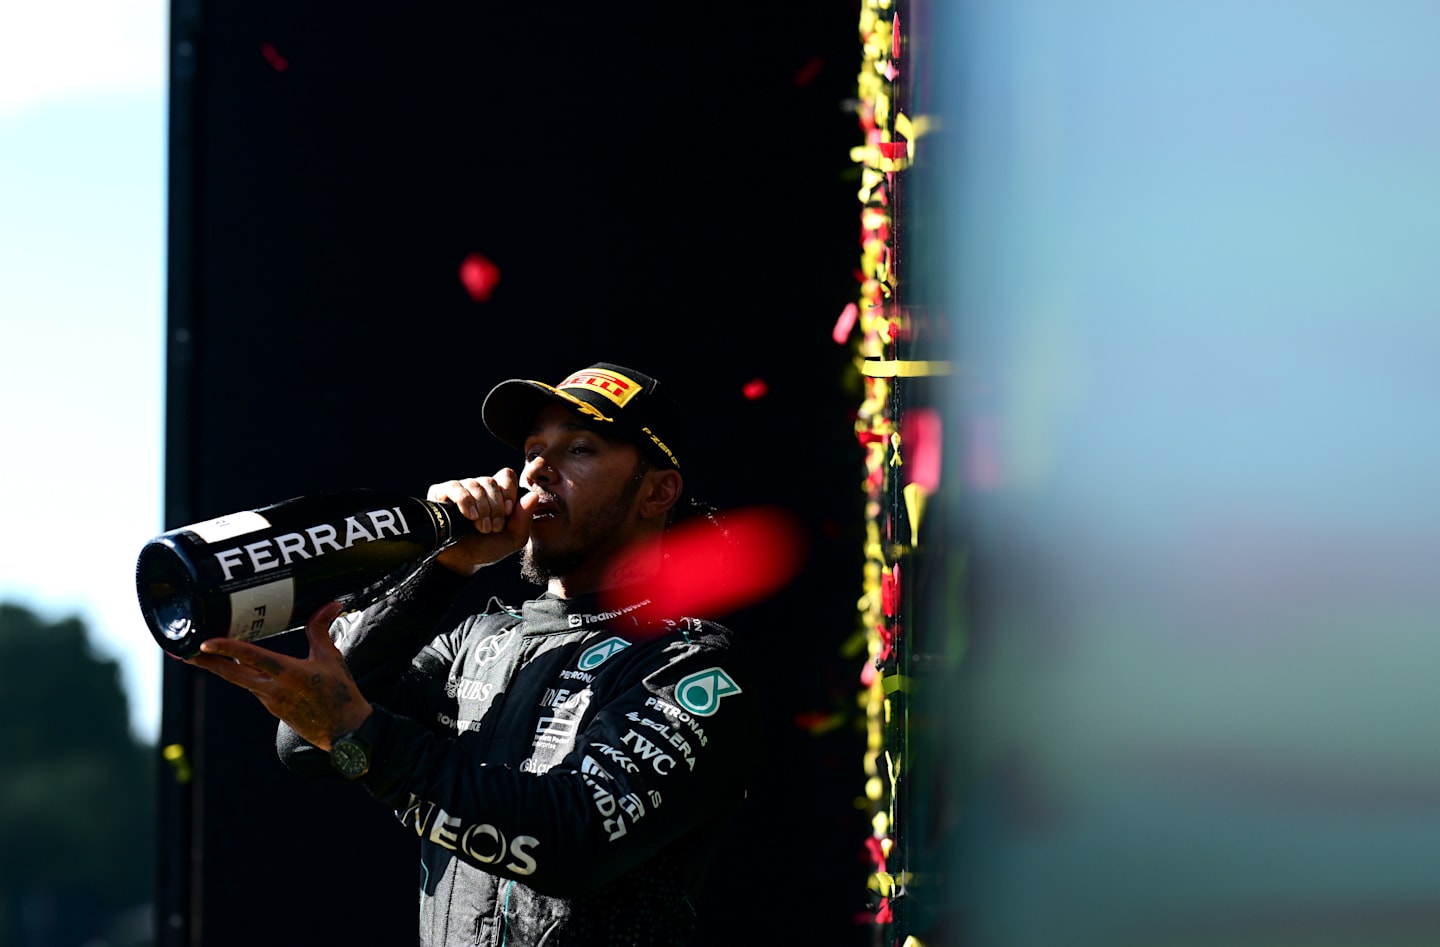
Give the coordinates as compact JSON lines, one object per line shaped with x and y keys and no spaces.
{"x":349,"y":758}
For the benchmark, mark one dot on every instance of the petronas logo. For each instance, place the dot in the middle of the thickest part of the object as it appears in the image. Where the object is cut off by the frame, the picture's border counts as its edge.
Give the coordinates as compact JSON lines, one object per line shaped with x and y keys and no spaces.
{"x":700,"y":693}
{"x":598,"y":654}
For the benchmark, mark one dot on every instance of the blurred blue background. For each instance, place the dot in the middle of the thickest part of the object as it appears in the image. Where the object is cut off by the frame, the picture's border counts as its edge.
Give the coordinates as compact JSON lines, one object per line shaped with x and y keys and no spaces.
{"x":83,"y":87}
{"x":1187,"y":254}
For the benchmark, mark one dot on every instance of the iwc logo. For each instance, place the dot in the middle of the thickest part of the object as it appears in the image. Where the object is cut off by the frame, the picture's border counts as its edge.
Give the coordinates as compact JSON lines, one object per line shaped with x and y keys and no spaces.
{"x":701,"y":692}
{"x":598,"y":654}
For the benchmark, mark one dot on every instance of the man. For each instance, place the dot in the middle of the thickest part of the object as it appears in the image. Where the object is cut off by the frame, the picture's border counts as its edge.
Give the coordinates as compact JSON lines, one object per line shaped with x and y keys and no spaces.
{"x":569,"y":767}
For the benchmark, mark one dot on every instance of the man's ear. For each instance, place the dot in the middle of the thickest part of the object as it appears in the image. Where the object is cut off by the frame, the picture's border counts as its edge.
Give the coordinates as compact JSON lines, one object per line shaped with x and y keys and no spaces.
{"x":663,"y":488}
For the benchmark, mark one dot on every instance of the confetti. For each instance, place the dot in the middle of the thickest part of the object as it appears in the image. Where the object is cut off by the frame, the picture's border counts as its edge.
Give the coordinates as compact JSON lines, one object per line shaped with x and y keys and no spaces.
{"x":922,"y":433}
{"x":713,"y":568}
{"x":845,"y":323}
{"x":272,"y":56}
{"x":479,"y":277}
{"x":807,"y":73}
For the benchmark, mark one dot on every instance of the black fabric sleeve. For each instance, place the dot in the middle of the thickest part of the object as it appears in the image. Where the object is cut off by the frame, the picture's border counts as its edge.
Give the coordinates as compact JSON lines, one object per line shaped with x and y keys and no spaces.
{"x":379,"y":644}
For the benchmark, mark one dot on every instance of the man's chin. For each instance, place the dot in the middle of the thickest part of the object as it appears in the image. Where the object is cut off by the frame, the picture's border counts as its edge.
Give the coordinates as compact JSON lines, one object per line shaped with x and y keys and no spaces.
{"x":540,"y":563}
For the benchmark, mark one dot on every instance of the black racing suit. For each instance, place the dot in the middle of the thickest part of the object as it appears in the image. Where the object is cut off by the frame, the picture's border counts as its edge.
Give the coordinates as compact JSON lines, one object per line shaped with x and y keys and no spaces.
{"x":569,"y":773}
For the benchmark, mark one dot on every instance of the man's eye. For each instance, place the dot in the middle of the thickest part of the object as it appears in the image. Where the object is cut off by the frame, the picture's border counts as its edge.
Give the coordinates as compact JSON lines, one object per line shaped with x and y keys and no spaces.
{"x":580,"y":448}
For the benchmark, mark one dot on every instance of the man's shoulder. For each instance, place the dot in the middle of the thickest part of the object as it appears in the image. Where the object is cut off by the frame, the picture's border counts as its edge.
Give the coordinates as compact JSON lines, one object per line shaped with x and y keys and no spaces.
{"x":713,"y":634}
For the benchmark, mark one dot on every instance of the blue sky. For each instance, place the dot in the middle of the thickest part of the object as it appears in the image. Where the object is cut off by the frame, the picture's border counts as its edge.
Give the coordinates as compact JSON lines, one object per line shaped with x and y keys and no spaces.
{"x":82,"y":280}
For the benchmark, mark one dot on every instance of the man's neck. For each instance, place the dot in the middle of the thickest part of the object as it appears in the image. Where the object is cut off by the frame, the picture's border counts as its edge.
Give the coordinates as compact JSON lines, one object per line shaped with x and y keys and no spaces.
{"x":633,"y":564}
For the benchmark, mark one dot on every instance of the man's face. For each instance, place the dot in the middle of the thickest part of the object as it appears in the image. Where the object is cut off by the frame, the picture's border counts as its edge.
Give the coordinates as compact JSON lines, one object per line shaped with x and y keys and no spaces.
{"x":588,"y":484}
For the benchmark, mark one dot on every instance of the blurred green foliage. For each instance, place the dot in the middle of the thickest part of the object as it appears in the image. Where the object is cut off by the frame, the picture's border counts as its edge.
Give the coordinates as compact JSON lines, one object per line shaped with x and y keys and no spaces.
{"x":77,"y":792}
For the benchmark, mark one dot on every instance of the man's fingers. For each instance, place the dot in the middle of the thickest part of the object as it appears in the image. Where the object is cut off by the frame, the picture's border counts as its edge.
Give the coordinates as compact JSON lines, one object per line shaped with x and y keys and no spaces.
{"x":509,"y":482}
{"x":247,"y":676}
{"x":518,"y":525}
{"x":485,"y":500}
{"x":317,"y":629}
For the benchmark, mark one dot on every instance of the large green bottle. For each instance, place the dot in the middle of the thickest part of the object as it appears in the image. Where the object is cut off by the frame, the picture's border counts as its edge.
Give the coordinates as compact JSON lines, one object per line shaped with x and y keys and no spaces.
{"x":262,"y":572}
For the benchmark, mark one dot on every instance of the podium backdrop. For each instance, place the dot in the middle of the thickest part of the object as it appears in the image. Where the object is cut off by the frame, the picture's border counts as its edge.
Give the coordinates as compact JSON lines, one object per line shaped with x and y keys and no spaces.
{"x":666,"y":187}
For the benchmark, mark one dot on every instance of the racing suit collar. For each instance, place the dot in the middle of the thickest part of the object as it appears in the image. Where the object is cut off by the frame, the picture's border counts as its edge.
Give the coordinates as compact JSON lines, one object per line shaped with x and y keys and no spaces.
{"x":549,"y":613}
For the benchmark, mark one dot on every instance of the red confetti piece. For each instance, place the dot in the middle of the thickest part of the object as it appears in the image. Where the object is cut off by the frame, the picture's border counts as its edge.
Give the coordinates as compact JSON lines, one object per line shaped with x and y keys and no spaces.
{"x":892,"y":149}
{"x":887,"y":643}
{"x":755,"y":389}
{"x":711,"y":571}
{"x":895,"y":37}
{"x":845,"y":323}
{"x":479,"y":276}
{"x":884,"y":915}
{"x":921,"y":436}
{"x":817,"y":724}
{"x":807,"y":73}
{"x":876,"y":849}
{"x":272,"y":56}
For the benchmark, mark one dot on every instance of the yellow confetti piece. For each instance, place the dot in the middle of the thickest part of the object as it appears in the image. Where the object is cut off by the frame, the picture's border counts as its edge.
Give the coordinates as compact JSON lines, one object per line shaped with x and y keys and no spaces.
{"x":175,"y":755}
{"x":896,"y":682}
{"x":915,"y":497}
{"x":898,"y":368}
{"x":913,"y":128}
{"x":874,"y":789}
{"x":865,"y":154}
{"x":882,"y":883}
{"x":881,"y":824}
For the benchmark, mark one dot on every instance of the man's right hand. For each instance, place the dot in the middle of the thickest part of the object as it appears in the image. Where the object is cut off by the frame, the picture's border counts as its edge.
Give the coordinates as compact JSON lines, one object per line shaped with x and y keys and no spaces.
{"x":500,"y":514}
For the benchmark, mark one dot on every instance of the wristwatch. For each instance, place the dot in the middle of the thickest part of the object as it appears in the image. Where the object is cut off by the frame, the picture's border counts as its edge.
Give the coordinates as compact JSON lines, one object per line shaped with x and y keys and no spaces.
{"x":350,"y":754}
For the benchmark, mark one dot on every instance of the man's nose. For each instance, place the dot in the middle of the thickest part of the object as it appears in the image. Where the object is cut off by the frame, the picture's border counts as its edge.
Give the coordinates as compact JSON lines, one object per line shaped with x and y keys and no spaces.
{"x":538,"y":472}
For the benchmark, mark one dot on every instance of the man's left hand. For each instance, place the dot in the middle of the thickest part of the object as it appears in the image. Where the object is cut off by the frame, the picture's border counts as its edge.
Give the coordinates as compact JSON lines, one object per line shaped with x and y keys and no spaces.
{"x":315,"y":696}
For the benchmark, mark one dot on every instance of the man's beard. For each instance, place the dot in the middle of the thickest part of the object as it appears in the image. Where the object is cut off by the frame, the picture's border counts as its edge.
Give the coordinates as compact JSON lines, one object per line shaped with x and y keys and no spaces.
{"x":540,"y":565}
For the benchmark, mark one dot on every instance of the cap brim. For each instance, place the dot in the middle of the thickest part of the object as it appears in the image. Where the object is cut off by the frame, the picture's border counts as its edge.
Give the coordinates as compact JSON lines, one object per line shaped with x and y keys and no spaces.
{"x":511,"y":407}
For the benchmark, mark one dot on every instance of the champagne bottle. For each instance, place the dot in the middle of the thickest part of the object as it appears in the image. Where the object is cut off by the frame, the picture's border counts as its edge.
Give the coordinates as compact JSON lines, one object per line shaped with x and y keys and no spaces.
{"x":262,"y":572}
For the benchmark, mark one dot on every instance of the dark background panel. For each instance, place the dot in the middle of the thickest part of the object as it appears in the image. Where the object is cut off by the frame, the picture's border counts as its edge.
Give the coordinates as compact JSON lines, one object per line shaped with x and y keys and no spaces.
{"x":671,"y":191}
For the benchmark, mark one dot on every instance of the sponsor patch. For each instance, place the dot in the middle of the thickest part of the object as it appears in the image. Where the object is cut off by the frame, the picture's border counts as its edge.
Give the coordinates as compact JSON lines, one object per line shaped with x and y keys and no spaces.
{"x":598,"y":654}
{"x":613,"y":385}
{"x":701,"y":692}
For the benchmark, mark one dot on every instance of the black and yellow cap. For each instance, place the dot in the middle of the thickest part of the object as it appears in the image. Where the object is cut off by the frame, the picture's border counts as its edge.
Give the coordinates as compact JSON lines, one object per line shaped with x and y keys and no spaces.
{"x":619,"y":401}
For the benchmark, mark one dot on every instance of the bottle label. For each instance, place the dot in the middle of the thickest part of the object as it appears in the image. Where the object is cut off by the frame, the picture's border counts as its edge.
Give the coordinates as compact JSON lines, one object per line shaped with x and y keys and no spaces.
{"x":261,"y":610}
{"x":248,"y":561}
{"x":441,"y":519}
{"x":226,"y":527}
